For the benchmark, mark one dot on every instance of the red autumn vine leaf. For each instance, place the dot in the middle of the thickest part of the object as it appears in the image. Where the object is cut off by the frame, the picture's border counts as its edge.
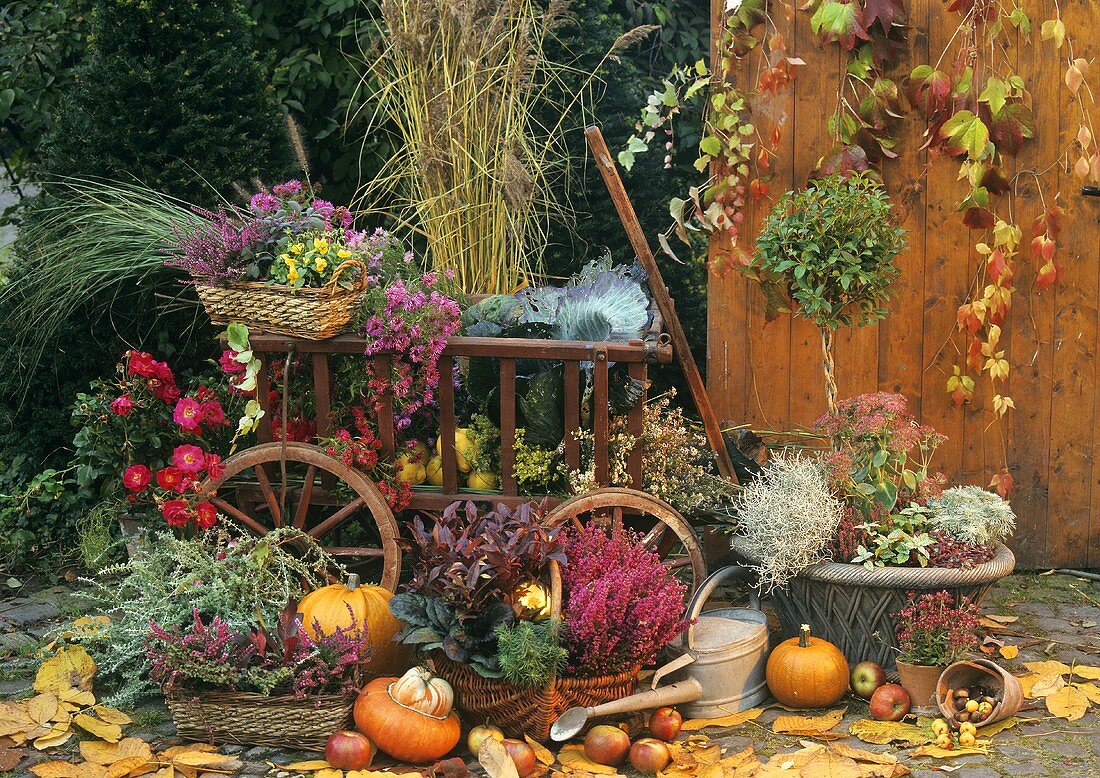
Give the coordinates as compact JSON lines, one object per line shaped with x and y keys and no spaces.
{"x":978,"y":218}
{"x":840,"y":22}
{"x":929,"y":89}
{"x":968,"y":317}
{"x":1002,"y":483}
{"x":887,"y":47}
{"x":885,"y":12}
{"x":974,"y":356}
{"x":994,"y":181}
{"x":844,"y":160}
{"x":996,"y":265}
{"x":758,"y":190}
{"x":1012,"y":125}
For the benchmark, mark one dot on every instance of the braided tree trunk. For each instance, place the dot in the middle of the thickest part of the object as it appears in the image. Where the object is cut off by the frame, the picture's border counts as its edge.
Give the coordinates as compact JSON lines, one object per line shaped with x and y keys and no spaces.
{"x":828,"y":366}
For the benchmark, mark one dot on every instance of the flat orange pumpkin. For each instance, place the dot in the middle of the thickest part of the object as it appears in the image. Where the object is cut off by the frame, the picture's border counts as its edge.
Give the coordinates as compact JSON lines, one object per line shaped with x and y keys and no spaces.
{"x":807,"y":672}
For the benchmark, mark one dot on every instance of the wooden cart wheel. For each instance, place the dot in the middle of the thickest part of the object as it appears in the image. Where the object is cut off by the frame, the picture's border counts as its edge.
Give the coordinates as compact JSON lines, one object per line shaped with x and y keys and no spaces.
{"x":663,"y":528}
{"x":336,"y":505}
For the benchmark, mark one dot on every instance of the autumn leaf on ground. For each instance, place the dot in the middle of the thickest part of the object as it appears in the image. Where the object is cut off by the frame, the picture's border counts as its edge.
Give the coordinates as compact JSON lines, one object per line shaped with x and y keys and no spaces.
{"x":732,"y":720}
{"x":67,"y":770}
{"x":1087,"y":672}
{"x":308,"y":766}
{"x":331,"y":772}
{"x":542,"y":753}
{"x":1048,"y":667}
{"x":830,"y":765}
{"x":495,"y":759}
{"x":1001,"y":619}
{"x":1090,"y":690}
{"x":1069,"y":703}
{"x":883,"y":732}
{"x":112,"y":733}
{"x":10,"y":758}
{"x":70,"y":667}
{"x":942,"y":753}
{"x":989,"y":730}
{"x":1010,"y":652}
{"x":59,"y":734}
{"x":573,"y":760}
{"x":108,"y":753}
{"x":860,"y":755}
{"x":1047,"y":685}
{"x":809,"y":726}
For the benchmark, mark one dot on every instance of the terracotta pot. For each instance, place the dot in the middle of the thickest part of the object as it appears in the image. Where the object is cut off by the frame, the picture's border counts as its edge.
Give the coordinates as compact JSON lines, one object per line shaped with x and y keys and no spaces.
{"x":921,"y":682}
{"x":986,"y":673}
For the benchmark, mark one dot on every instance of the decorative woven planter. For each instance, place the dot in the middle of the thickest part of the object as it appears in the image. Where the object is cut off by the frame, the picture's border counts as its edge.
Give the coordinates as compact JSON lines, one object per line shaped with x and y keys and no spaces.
{"x":246,"y":718}
{"x":312,"y":313}
{"x":854,"y":607}
{"x":523,"y":711}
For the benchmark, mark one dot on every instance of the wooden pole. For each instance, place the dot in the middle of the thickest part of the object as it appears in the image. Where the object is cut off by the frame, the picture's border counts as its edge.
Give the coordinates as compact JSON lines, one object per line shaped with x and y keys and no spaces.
{"x":610,"y":172}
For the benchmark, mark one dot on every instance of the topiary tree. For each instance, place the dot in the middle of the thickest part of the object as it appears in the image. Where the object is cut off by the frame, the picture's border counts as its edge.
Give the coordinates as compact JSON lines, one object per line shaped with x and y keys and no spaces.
{"x":170,"y":93}
{"x":832,"y":247}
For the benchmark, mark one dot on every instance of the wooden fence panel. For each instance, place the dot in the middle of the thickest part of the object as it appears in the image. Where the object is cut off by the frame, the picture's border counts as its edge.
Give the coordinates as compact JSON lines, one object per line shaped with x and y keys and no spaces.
{"x":769,"y":375}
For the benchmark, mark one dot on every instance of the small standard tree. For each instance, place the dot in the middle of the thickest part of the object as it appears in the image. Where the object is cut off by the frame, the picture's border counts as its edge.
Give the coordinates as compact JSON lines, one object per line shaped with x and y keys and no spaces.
{"x":171,"y":94}
{"x":832,"y":246}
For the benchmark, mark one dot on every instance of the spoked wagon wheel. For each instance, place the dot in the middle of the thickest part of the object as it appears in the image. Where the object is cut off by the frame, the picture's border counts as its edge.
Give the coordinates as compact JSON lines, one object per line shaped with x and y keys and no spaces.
{"x":663,"y":528}
{"x":297,"y":485}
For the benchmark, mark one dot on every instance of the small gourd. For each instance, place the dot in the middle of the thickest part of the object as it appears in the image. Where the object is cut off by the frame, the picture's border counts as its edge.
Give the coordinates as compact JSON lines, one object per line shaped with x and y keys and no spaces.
{"x":807,"y":672}
{"x":402,"y":731}
{"x":420,"y":690}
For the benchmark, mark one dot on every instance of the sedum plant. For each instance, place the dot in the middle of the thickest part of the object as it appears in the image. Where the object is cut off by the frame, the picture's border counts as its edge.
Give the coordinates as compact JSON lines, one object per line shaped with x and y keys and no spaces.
{"x":832,"y":247}
{"x":973,"y":515}
{"x":789,"y":515}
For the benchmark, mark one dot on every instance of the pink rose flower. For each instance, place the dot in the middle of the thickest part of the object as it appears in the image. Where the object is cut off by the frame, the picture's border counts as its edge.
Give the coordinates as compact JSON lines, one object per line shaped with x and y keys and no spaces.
{"x":188,"y":414}
{"x":141,"y":363}
{"x":206,"y":515}
{"x":122,"y":406}
{"x":214,"y":467}
{"x":136,"y":478}
{"x":171,"y":479}
{"x":176,"y":512}
{"x":229,"y":364}
{"x":213,"y":413}
{"x":188,"y":458}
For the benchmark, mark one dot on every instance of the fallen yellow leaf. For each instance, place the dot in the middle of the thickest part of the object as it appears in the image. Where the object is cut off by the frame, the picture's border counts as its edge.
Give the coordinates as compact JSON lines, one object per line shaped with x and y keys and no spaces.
{"x":861,"y":755}
{"x":130,"y":766}
{"x":1010,"y":651}
{"x":195,"y":758}
{"x":942,"y":753}
{"x":883,"y":732}
{"x":1001,"y":619}
{"x":112,"y":716}
{"x":57,"y":736}
{"x":1090,"y":690}
{"x":830,"y":765}
{"x":14,"y":718}
{"x":1048,"y":667}
{"x":67,"y":770}
{"x":542,"y":753}
{"x":1087,"y":671}
{"x":70,"y":667}
{"x":308,"y":766}
{"x":1046,"y":685}
{"x":573,"y":760}
{"x":330,"y":772}
{"x":101,"y":729}
{"x":77,"y":697}
{"x":171,"y":752}
{"x":989,"y":730}
{"x":42,"y":708}
{"x":811,"y":726}
{"x":108,"y":753}
{"x":732,"y":720}
{"x":1068,"y":703}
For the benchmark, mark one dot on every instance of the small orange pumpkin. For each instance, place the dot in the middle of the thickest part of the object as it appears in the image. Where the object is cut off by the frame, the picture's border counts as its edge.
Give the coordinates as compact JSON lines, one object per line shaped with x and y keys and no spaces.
{"x":406,"y":734}
{"x":807,"y":672}
{"x":327,"y":608}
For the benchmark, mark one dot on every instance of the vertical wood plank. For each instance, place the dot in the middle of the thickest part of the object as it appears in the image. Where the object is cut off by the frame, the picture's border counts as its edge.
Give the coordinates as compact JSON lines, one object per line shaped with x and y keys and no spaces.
{"x":508,"y":425}
{"x":263,"y":397}
{"x":572,"y":414}
{"x":600,"y":415}
{"x":636,"y":427}
{"x":447,"y":423}
{"x":386,"y":433}
{"x":322,"y":393}
{"x":1075,"y":332}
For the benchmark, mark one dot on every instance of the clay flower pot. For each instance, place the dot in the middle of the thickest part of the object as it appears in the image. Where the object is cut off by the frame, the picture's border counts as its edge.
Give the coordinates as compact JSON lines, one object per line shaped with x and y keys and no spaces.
{"x":921,"y":682}
{"x":985,"y":672}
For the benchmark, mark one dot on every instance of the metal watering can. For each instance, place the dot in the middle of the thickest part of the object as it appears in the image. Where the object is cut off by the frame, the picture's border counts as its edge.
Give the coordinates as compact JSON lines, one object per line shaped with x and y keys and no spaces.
{"x":717,"y":666}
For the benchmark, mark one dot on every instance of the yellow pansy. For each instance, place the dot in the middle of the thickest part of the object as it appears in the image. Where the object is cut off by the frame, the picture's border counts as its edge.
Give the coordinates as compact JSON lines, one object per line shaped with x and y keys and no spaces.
{"x":293,"y":275}
{"x":321,"y":245}
{"x":343,"y":253}
{"x":321,"y":264}
{"x":285,"y":258}
{"x":297,"y":248}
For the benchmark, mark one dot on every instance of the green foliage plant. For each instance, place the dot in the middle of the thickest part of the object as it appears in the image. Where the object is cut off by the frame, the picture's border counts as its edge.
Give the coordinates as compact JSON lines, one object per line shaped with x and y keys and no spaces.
{"x":831,"y":246}
{"x":531,"y":654}
{"x":241,"y":578}
{"x":903,"y":541}
{"x":973,"y":515}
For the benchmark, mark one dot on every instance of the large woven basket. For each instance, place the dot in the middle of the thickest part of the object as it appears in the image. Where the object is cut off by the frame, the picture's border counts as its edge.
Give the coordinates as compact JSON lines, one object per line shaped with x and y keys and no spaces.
{"x":246,"y":718}
{"x":523,"y":711}
{"x":854,"y":608}
{"x":313,"y":313}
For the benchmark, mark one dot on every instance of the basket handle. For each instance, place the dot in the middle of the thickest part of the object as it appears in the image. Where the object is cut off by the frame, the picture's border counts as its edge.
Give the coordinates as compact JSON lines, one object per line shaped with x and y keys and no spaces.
{"x":346,"y":265}
{"x":555,"y":589}
{"x":699,"y":599}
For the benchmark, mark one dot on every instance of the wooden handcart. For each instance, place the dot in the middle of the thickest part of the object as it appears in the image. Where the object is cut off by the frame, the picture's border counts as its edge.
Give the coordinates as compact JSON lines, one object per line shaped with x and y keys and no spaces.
{"x":278,"y":483}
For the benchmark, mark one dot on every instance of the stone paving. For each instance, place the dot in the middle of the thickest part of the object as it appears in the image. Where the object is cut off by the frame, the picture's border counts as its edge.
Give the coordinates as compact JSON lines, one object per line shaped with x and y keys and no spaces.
{"x":1058,"y":619}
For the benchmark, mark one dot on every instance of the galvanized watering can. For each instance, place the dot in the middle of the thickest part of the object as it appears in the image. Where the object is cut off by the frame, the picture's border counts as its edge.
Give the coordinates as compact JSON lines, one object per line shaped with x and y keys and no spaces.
{"x":718,"y":665}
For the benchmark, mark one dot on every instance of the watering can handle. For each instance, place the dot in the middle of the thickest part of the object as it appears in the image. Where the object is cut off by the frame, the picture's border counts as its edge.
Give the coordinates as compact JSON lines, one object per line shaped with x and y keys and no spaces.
{"x":695,"y":607}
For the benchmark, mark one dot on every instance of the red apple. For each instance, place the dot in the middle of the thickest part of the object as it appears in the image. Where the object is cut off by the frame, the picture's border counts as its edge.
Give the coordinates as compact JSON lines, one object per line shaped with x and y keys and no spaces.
{"x":665,"y":723}
{"x":890,"y":702}
{"x":866,"y":677}
{"x":348,"y":750}
{"x":522,"y":754}
{"x":479,"y":733}
{"x":650,"y":755}
{"x":606,"y":745}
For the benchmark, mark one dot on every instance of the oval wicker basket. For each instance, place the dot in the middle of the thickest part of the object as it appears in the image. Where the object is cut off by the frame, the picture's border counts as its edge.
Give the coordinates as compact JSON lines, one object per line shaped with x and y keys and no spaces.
{"x":312,"y":313}
{"x":247,"y":718}
{"x":854,"y":608}
{"x":524,"y":710}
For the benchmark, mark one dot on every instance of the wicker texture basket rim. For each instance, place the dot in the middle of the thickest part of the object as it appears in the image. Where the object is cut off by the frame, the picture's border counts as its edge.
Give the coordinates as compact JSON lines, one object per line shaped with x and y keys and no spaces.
{"x":330,"y":289}
{"x":1001,"y":565}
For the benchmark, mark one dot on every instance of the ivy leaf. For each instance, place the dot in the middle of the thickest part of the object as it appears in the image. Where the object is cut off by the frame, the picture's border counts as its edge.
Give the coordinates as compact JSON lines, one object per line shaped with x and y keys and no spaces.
{"x":885,"y":12}
{"x":965,"y":133}
{"x":634,"y":145}
{"x":840,"y":22}
{"x":994,"y":94}
{"x":1019,"y":19}
{"x":1011,"y":127}
{"x":1055,"y":30}
{"x":929,"y":89}
{"x":843,"y":160}
{"x":978,"y":218}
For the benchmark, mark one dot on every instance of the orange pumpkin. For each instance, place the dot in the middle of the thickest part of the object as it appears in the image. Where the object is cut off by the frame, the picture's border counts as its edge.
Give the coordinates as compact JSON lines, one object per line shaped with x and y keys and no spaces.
{"x":327,"y":608}
{"x":807,"y":672}
{"x":406,"y":734}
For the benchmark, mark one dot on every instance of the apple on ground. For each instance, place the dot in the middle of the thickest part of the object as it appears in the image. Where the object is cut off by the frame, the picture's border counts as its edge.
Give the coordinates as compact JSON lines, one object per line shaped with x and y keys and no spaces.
{"x":866,"y":677}
{"x":479,"y":733}
{"x":522,"y":754}
{"x":650,"y":755}
{"x":665,"y":723}
{"x":606,"y":745}
{"x":349,"y":750}
{"x":890,"y":702}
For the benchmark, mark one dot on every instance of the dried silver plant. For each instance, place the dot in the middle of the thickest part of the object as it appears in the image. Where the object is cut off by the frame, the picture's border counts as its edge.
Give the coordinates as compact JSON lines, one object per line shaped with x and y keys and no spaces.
{"x":973,"y":514}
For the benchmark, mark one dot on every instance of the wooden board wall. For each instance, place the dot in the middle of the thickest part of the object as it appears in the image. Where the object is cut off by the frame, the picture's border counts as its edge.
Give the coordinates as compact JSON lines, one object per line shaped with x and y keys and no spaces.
{"x":769,"y":375}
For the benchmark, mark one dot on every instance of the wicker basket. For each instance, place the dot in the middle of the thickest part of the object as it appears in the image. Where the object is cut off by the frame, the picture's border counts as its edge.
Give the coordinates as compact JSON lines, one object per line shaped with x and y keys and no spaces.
{"x":312,"y":313}
{"x":854,"y":608}
{"x":247,"y":718}
{"x":523,"y":711}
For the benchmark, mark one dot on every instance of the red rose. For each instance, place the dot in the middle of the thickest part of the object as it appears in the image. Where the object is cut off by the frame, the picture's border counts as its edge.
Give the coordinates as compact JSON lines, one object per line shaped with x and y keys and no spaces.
{"x":204,"y":394}
{"x":213,"y":413}
{"x":229,"y":363}
{"x":188,"y":458}
{"x":214,"y":466}
{"x":141,"y":364}
{"x":206,"y":515}
{"x":123,"y":406}
{"x":136,"y":478}
{"x":167,"y":393}
{"x":188,"y":414}
{"x":176,"y":512}
{"x":171,"y":479}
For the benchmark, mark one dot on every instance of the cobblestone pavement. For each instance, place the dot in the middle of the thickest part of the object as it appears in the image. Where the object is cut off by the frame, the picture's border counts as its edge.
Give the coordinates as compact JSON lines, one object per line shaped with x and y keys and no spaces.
{"x":1058,"y":619}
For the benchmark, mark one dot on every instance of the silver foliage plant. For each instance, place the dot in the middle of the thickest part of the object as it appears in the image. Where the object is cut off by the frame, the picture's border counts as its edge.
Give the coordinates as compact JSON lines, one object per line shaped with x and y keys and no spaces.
{"x":788,"y":514}
{"x":973,"y":514}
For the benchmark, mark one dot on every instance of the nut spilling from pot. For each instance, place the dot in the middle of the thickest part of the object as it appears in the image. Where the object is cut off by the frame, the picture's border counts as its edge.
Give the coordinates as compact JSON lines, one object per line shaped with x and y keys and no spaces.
{"x":972,"y":704}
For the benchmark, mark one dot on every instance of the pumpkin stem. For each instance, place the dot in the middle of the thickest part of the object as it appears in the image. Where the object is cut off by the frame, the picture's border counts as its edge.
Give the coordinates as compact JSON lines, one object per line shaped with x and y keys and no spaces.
{"x":804,"y":636}
{"x":353,"y":581}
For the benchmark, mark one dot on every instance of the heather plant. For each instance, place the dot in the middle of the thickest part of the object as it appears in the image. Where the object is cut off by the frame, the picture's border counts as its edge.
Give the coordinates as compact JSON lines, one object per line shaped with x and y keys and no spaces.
{"x":789,"y":516}
{"x":973,"y":515}
{"x":241,"y":578}
{"x":622,"y":606}
{"x":932,"y":630}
